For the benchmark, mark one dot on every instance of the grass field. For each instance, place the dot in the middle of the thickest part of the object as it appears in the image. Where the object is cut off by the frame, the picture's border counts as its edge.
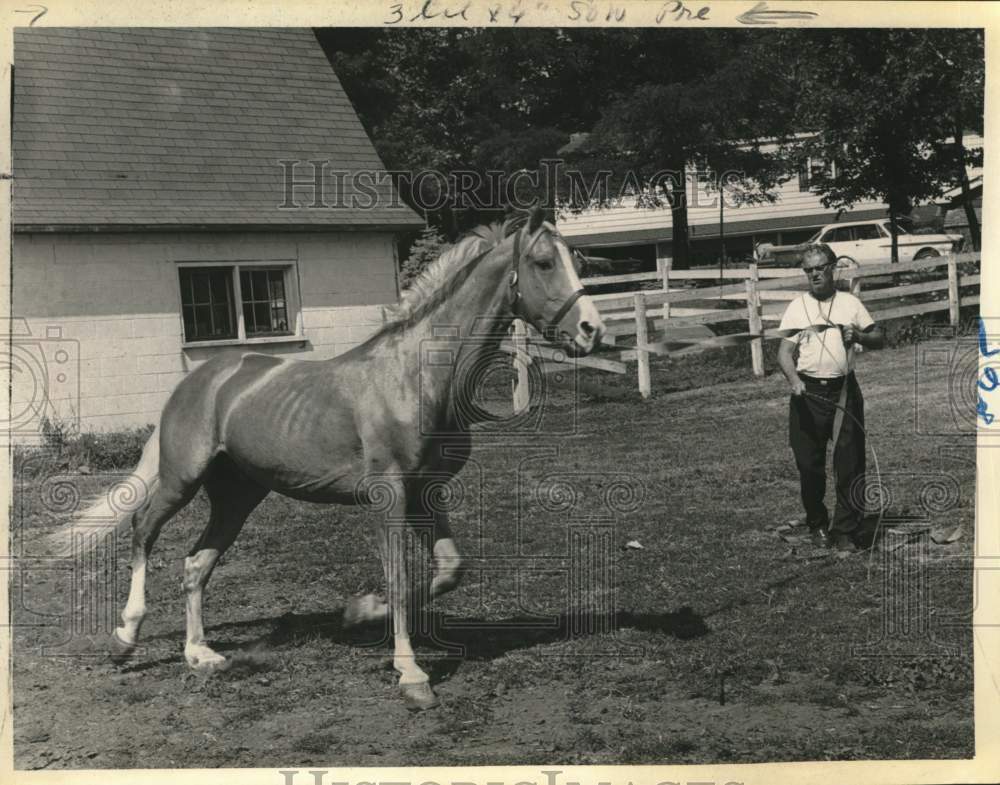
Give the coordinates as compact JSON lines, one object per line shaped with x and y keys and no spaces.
{"x":725,"y":638}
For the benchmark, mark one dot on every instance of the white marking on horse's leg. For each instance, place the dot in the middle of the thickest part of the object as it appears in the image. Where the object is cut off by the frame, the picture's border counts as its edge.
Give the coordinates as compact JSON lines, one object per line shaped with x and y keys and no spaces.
{"x":197,"y":570}
{"x":397,"y":591}
{"x":405,"y":662}
{"x":448,"y":564}
{"x":135,"y":606}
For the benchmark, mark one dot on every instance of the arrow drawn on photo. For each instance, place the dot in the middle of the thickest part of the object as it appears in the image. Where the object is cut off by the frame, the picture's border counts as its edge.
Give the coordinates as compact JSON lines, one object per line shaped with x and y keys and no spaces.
{"x":760,"y":14}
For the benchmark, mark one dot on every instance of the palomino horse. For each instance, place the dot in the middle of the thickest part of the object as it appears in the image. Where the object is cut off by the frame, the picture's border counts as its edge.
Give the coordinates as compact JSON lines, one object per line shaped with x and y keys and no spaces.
{"x":376,"y":421}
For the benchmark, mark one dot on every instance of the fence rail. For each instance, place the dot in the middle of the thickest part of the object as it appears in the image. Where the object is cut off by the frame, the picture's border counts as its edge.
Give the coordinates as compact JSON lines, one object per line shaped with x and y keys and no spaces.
{"x":763,"y":293}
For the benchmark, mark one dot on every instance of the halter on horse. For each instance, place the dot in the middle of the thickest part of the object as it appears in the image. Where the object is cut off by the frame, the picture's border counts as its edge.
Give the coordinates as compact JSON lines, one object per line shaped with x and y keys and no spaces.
{"x":373,"y":426}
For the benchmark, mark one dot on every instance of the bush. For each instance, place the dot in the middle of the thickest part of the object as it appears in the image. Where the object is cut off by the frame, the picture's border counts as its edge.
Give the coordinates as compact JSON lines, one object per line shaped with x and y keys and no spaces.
{"x":425,"y":249}
{"x":62,"y":448}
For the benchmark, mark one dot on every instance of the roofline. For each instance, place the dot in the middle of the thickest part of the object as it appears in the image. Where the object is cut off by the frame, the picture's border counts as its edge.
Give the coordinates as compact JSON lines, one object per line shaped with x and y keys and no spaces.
{"x":710,"y":231}
{"x":134,"y":228}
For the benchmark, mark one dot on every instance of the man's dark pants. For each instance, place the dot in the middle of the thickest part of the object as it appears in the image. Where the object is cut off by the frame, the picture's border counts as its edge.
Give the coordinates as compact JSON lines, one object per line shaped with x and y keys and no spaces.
{"x":810,"y":427}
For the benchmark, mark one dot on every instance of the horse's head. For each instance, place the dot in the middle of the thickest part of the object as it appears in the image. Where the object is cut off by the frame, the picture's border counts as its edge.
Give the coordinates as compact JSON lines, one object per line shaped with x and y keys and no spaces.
{"x":546,"y":290}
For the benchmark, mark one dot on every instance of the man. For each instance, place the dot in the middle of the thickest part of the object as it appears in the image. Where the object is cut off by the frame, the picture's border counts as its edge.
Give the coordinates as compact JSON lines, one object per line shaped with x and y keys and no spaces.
{"x":829,"y":327}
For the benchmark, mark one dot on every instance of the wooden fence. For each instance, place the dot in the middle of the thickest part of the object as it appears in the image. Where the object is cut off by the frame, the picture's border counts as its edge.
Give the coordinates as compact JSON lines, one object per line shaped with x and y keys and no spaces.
{"x":759,"y":298}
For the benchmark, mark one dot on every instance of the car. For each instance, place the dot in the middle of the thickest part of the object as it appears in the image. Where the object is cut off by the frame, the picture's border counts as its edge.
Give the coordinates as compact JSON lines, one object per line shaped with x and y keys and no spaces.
{"x":863,"y":243}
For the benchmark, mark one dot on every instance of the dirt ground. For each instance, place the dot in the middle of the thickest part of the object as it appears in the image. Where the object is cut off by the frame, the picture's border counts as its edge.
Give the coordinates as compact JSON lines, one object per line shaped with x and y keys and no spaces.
{"x":724,"y":638}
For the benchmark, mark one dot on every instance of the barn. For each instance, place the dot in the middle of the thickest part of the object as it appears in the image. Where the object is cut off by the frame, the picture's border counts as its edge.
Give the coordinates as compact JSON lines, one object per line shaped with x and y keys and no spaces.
{"x":179,"y":193}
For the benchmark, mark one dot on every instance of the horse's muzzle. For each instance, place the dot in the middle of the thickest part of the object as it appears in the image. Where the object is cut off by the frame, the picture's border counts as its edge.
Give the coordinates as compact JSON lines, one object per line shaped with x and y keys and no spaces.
{"x":587,"y":338}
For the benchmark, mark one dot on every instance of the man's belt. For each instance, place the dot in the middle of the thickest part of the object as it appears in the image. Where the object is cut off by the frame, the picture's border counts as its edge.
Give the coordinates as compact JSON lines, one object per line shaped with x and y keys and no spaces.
{"x":834,"y":383}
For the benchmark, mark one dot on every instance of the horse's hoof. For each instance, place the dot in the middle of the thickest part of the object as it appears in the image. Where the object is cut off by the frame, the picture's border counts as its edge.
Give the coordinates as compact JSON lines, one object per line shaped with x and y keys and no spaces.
{"x":361,"y":610}
{"x":202,"y":658}
{"x":118,"y":650}
{"x":352,"y":612}
{"x":218,"y":662}
{"x":419,"y":696}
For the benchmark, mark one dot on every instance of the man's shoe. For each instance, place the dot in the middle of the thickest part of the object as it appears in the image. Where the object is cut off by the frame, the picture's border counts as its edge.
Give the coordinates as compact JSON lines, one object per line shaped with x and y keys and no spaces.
{"x":820,"y":538}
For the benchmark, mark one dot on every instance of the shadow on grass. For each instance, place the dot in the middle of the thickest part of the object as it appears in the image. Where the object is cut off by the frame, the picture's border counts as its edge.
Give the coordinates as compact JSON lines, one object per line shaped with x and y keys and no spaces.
{"x":449,"y":640}
{"x":474,"y":638}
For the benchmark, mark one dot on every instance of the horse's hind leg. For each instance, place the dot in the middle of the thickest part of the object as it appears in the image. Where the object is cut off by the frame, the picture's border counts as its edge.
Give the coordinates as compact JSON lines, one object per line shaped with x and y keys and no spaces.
{"x":166,"y":500}
{"x":233,"y":497}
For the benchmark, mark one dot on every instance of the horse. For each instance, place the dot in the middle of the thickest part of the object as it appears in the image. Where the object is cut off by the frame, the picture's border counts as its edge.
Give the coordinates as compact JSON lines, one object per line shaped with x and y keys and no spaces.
{"x":373,"y":426}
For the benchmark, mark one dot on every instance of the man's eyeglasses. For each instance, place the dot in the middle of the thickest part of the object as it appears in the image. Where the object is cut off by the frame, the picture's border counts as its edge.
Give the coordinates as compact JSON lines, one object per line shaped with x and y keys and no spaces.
{"x":819,"y":268}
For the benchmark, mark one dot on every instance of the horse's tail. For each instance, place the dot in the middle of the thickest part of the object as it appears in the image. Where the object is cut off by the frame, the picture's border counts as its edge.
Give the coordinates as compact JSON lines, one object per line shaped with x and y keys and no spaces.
{"x":114,"y":508}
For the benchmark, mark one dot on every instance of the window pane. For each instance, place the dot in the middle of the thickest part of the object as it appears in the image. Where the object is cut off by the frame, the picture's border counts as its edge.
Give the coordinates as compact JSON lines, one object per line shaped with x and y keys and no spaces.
{"x":279,"y":319}
{"x":207,"y":303}
{"x":259,"y":284}
{"x":868,"y":232}
{"x":203,"y":321}
{"x":262,"y":315}
{"x":202,"y":292}
{"x":277,"y":285}
{"x":248,"y":322}
{"x":265,"y":307}
{"x":220,"y":284}
{"x":220,"y":313}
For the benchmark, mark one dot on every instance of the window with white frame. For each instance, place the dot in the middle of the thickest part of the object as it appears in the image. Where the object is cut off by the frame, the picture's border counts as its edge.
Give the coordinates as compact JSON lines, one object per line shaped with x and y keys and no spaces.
{"x":236,"y":302}
{"x":814,"y":169}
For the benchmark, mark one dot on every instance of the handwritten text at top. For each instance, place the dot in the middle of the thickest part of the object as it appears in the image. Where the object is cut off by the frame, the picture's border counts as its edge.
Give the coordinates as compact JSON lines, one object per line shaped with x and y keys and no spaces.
{"x":517,"y":10}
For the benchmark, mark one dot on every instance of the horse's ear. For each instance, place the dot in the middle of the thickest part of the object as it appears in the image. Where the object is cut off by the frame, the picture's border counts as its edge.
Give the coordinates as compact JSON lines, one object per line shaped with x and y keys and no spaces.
{"x":535,"y":219}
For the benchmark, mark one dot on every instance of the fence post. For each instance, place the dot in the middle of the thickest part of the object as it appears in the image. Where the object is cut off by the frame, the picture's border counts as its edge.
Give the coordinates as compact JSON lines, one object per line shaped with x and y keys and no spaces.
{"x":753,"y":316}
{"x":953,"y":312}
{"x":522,"y":394}
{"x":663,"y":265}
{"x":641,"y":338}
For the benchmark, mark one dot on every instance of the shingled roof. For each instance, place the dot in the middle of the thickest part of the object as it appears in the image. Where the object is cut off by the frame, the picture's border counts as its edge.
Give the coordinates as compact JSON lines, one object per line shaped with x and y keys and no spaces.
{"x":164,"y":128}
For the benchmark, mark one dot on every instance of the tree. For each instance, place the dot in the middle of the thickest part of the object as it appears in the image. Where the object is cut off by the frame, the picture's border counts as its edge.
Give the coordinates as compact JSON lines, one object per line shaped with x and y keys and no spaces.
{"x":962,"y":74}
{"x":701,"y":100}
{"x":461,"y":100}
{"x":876,"y":101}
{"x":425,"y":249}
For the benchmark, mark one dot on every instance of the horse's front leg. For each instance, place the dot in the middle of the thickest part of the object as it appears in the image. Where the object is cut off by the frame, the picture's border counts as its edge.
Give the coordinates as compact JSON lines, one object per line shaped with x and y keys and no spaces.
{"x":447,"y":575}
{"x":393,"y":532}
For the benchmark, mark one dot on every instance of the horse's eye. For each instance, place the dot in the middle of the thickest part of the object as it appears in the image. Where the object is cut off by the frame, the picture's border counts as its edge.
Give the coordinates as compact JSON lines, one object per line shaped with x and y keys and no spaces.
{"x":545,"y":264}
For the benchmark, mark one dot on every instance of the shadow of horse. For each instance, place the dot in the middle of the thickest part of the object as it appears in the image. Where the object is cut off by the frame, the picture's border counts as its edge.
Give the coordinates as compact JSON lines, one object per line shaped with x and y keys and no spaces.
{"x":446,"y":640}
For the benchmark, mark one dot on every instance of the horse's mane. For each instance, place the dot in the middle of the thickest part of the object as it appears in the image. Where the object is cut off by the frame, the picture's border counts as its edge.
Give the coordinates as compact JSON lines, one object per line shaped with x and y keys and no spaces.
{"x":446,"y":273}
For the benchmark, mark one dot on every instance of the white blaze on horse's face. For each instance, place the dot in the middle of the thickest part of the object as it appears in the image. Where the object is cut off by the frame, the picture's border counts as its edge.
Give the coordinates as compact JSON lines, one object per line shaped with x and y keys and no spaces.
{"x":553,"y":296}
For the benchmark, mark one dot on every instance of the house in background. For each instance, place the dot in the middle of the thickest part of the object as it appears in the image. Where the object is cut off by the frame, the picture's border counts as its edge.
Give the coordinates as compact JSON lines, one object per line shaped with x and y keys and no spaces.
{"x":153,"y":222}
{"x":645,"y":234}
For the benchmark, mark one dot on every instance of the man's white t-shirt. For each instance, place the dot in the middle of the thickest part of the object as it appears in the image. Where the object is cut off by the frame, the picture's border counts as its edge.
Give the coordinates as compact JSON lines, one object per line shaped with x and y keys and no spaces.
{"x":821,"y":352}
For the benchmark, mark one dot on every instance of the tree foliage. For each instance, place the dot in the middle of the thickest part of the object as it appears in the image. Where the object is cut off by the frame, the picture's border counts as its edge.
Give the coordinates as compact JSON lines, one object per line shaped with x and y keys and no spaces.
{"x":425,"y":249}
{"x":884,"y":108}
{"x":884,"y":105}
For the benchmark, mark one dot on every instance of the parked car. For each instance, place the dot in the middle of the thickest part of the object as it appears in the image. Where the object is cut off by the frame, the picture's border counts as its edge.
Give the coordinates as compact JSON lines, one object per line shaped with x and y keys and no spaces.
{"x":863,"y":243}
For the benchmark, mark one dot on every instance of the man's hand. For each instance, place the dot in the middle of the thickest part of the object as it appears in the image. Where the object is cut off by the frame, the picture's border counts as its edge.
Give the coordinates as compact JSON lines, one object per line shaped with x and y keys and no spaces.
{"x":798,"y":386}
{"x":872,"y":338}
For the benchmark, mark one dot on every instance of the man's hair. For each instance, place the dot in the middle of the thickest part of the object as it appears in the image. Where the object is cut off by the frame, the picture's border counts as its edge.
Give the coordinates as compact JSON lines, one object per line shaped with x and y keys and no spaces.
{"x":819,"y":249}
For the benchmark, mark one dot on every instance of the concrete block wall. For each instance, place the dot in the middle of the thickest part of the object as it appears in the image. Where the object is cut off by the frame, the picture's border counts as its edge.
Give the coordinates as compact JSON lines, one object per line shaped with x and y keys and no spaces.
{"x":97,"y":336}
